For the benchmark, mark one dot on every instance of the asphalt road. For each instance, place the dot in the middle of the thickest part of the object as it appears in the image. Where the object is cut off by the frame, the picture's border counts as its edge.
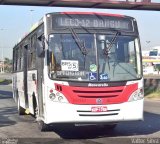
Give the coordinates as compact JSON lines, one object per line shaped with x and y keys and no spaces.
{"x":25,"y":128}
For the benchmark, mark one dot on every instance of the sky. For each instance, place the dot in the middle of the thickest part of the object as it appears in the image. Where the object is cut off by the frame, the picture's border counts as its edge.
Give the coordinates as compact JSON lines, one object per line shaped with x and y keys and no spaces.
{"x":16,"y":21}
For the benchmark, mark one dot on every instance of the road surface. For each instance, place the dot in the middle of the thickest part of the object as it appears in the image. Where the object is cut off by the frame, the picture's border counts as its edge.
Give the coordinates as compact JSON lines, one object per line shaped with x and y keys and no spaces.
{"x":14,"y":126}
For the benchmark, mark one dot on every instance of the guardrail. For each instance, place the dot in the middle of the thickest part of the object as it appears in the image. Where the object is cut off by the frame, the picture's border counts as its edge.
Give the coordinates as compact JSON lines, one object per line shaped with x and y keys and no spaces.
{"x":152,"y":81}
{"x":7,"y":76}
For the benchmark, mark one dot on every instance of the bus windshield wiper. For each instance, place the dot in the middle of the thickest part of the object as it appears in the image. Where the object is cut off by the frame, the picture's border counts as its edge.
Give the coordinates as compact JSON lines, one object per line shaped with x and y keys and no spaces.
{"x":78,"y":42}
{"x":108,"y":47}
{"x":81,"y":46}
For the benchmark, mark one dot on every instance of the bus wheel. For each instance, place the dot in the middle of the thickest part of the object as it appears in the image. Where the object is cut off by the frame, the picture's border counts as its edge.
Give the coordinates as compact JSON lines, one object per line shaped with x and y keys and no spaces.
{"x":21,"y":111}
{"x":35,"y":109}
{"x":42,"y":126}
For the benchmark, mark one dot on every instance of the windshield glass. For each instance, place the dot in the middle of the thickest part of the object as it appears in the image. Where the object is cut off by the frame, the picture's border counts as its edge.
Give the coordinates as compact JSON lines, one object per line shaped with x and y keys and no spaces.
{"x":121,"y":61}
{"x":68,"y":62}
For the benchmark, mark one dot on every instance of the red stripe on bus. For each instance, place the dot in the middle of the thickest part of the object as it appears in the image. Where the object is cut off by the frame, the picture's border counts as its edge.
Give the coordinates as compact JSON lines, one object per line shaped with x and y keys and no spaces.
{"x":92,"y":13}
{"x":91,"y":95}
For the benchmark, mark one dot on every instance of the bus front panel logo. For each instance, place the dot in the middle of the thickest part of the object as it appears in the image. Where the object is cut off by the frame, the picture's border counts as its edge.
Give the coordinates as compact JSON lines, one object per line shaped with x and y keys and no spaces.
{"x":99,"y":101}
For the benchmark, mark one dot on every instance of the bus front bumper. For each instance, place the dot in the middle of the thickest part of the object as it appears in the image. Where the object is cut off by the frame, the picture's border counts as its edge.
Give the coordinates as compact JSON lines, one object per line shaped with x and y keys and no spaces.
{"x":69,"y":113}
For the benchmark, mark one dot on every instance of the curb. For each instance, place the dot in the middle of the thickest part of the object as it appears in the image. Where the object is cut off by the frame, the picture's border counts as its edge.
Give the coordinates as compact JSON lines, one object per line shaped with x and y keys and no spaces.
{"x":153,"y":100}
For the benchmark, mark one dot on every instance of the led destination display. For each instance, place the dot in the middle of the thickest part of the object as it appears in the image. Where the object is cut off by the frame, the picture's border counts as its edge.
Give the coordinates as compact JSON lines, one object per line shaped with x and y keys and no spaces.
{"x":91,"y":21}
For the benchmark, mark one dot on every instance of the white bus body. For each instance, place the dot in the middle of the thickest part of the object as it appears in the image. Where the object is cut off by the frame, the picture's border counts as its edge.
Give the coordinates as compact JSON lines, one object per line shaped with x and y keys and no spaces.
{"x":116,"y":96}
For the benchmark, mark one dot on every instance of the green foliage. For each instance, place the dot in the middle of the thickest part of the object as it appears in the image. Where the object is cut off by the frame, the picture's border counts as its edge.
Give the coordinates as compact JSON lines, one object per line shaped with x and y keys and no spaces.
{"x":7,"y":61}
{"x":8,"y":65}
{"x":152,"y":93}
{"x":5,"y":81}
{"x":157,"y":67}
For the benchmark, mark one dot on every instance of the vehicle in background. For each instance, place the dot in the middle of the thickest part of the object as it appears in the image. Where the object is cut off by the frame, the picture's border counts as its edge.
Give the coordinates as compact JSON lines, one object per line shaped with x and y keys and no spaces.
{"x":155,"y":52}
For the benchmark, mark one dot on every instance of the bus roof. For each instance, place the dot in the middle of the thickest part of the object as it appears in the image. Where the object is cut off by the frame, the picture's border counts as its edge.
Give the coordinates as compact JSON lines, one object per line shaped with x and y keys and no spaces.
{"x":91,"y":13}
{"x":34,"y":26}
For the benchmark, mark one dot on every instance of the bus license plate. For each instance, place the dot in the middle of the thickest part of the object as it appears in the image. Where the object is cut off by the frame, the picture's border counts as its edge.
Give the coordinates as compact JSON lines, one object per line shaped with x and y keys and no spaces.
{"x":99,"y":109}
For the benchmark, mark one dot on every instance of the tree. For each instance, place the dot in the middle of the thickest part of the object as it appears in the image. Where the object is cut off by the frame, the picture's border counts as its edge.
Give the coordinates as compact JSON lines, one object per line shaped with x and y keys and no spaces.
{"x":7,"y":65}
{"x":158,"y":67}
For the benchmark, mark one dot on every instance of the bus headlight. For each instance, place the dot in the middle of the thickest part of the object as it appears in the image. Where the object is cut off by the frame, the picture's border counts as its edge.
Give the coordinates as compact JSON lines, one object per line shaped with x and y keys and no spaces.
{"x":60,"y":98}
{"x":56,"y":96}
{"x":137,"y":95}
{"x":52,"y":96}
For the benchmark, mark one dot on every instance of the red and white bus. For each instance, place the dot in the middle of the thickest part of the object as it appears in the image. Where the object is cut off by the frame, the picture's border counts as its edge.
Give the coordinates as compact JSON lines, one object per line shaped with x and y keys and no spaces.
{"x":80,"y":67}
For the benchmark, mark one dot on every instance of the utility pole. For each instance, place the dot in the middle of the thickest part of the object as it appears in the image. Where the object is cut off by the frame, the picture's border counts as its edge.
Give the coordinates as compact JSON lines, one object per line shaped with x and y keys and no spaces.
{"x":2,"y":68}
{"x":31,"y":17}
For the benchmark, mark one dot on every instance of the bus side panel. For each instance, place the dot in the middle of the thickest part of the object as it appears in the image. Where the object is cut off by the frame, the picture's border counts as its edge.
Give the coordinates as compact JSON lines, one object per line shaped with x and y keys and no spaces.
{"x":25,"y":68}
{"x":14,"y":86}
{"x":20,"y":88}
{"x":32,"y":88}
{"x":40,"y":67}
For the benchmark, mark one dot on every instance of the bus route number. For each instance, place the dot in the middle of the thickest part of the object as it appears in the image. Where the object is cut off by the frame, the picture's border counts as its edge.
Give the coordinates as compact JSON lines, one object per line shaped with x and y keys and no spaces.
{"x":69,"y":65}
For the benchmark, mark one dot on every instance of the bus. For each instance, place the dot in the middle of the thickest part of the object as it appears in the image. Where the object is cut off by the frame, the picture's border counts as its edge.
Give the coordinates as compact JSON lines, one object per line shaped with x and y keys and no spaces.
{"x":80,"y":68}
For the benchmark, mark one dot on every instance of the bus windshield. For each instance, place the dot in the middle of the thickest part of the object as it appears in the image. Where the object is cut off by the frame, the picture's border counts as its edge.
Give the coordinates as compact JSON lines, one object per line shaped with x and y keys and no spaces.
{"x":68,"y":62}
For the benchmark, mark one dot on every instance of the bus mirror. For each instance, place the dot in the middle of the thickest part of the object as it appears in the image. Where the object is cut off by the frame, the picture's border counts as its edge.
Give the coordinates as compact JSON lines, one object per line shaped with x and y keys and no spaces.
{"x":40,"y":46}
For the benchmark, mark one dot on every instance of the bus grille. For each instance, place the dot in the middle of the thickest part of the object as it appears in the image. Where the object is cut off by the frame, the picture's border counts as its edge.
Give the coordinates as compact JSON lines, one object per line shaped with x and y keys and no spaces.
{"x":96,"y":95}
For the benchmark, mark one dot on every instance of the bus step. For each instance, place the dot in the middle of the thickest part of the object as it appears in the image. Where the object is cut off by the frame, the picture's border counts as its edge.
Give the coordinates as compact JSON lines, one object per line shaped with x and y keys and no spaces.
{"x":27,"y":111}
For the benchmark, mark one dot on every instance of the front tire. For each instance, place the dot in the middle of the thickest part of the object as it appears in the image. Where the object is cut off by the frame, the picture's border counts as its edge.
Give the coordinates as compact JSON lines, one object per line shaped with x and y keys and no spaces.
{"x":42,"y":126}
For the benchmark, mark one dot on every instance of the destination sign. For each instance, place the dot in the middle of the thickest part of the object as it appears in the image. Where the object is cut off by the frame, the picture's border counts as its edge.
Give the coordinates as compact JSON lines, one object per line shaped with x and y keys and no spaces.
{"x":90,"y":22}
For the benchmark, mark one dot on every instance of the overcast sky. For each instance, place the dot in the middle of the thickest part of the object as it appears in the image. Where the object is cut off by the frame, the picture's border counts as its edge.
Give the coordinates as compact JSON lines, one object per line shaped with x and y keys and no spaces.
{"x":15,"y":22}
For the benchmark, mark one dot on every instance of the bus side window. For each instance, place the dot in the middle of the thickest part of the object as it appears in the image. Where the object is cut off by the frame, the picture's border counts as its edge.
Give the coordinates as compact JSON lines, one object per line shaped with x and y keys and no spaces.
{"x":16,"y":63}
{"x":29,"y":57}
{"x":33,"y":50}
{"x":53,"y":61}
{"x":19,"y":58}
{"x":40,"y":45}
{"x":15,"y":60}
